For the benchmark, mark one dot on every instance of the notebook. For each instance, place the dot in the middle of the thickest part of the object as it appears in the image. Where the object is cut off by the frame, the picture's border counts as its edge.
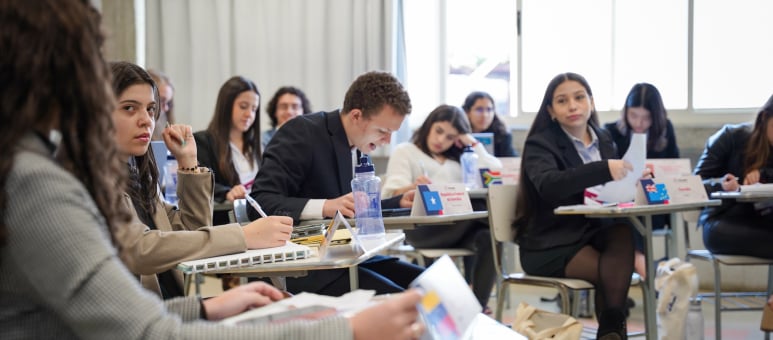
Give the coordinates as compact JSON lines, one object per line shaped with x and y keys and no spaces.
{"x":252,"y":257}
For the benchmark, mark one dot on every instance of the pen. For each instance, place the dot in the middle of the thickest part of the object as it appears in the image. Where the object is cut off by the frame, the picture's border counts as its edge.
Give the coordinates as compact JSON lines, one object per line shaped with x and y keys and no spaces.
{"x":255,"y":205}
{"x":182,"y":139}
{"x":423,"y":169}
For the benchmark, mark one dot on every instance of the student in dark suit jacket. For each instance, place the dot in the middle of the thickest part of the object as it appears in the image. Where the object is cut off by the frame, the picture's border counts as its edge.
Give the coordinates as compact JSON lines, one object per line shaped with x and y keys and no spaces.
{"x":566,"y":152}
{"x":644,"y":112}
{"x":307,"y":170}
{"x":737,"y":155}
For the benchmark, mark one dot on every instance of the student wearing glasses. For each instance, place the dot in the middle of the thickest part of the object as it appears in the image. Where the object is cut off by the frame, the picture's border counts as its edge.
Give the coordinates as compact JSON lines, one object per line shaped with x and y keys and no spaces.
{"x":287,"y":103}
{"x":482,"y":114}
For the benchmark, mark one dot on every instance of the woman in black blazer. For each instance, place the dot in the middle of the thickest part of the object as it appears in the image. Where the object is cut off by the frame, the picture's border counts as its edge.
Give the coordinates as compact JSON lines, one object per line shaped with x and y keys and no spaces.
{"x":565,"y":153}
{"x":230,"y":145}
{"x":737,"y":155}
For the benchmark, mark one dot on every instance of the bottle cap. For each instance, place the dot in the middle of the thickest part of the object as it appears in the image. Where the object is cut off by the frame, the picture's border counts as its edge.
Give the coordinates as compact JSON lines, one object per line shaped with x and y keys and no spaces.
{"x":365,"y":165}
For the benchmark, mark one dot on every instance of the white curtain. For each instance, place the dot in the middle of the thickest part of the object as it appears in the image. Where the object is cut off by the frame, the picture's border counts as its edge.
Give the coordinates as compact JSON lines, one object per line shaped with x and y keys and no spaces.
{"x":320,"y":46}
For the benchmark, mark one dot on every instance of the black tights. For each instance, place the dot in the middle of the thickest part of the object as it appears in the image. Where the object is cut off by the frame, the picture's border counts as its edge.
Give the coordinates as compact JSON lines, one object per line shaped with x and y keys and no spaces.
{"x":607,"y":263}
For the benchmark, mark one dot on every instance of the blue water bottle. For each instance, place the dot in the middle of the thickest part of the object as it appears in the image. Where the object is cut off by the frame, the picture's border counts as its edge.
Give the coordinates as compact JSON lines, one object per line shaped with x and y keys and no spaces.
{"x":366,"y":189}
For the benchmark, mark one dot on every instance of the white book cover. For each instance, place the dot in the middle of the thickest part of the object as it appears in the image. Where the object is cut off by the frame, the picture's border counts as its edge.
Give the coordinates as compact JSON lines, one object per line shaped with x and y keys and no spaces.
{"x":288,"y":252}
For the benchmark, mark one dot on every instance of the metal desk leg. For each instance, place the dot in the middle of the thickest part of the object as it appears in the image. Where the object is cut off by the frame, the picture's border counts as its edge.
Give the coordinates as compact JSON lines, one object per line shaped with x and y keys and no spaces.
{"x":650,"y":319}
{"x":197,"y":283}
{"x":354,"y":279}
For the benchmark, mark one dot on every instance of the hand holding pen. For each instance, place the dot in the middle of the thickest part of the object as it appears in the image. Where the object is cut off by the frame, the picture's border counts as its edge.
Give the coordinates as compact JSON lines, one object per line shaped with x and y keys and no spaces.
{"x":730,"y":183}
{"x":179,"y":141}
{"x":424,"y":177}
{"x":255,"y":205}
{"x":267,"y":231}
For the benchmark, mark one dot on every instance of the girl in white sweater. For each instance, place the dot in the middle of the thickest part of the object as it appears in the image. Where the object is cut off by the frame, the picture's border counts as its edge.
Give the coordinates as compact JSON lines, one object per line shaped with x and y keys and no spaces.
{"x":433,"y":157}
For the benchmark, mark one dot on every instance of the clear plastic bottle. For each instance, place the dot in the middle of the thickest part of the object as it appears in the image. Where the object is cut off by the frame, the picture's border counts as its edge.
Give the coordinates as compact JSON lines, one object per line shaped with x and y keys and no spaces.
{"x":694,"y":323}
{"x":366,"y":188}
{"x":470,"y":175}
{"x":170,"y":180}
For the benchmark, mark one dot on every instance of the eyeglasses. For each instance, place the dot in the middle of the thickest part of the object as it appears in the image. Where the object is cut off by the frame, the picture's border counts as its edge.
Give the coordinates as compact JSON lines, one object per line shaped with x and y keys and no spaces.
{"x":483,"y":110}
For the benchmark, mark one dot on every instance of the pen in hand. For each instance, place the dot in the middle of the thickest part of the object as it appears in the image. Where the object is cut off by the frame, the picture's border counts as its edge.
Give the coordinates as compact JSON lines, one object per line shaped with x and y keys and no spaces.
{"x":182,"y":139}
{"x":255,"y":205}
{"x":423,"y":169}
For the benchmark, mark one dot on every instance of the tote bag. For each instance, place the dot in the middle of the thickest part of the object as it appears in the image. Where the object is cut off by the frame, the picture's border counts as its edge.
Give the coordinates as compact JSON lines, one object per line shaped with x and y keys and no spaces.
{"x":538,"y":324}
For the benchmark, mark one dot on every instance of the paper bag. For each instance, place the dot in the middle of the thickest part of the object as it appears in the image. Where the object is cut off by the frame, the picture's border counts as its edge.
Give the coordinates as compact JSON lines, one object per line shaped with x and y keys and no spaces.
{"x":538,"y":324}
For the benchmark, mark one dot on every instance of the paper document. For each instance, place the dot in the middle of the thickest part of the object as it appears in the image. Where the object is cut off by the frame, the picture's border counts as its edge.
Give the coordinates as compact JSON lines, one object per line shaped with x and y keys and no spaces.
{"x":304,"y":306}
{"x":624,"y":190}
{"x":448,"y":306}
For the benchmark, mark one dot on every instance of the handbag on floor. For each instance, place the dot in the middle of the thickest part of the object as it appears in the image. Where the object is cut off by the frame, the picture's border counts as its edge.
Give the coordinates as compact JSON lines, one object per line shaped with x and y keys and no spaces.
{"x":676,"y":283}
{"x":537,"y":324}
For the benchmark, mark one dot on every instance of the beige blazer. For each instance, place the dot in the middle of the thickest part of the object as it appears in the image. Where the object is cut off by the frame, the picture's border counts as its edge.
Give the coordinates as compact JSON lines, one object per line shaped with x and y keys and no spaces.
{"x":182,"y":234}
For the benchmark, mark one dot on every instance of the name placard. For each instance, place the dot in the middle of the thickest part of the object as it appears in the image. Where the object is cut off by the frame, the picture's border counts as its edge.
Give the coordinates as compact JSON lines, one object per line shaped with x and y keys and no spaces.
{"x":441,"y":199}
{"x":680,"y":189}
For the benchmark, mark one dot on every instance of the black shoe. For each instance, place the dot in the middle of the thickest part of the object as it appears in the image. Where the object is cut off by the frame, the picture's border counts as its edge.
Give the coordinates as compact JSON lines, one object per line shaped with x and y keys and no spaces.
{"x":629,"y":304}
{"x":612,"y":325}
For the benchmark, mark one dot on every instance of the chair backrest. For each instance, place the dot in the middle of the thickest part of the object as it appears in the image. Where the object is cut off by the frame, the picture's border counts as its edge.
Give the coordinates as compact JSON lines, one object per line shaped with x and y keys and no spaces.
{"x":501,"y":209}
{"x":240,"y":211}
{"x":501,"y":214}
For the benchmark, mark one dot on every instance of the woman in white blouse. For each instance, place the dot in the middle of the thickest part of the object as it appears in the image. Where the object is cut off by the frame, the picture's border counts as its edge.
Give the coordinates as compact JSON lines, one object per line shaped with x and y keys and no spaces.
{"x":433,"y":157}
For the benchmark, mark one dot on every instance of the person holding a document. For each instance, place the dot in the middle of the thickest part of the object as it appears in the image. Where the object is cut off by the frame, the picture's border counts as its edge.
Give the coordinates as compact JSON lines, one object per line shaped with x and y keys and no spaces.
{"x":739,"y":155}
{"x":62,"y":215}
{"x":566,"y":152}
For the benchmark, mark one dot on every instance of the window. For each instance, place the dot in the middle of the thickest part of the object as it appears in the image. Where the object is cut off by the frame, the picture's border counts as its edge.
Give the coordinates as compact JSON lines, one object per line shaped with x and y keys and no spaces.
{"x":480,"y":36}
{"x":614,"y":44}
{"x":732,"y":65}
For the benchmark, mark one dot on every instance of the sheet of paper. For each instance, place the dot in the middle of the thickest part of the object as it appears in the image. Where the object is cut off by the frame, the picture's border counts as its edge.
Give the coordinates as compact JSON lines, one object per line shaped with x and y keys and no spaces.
{"x":448,"y":306}
{"x":348,"y":302}
{"x":758,"y":187}
{"x":624,"y":190}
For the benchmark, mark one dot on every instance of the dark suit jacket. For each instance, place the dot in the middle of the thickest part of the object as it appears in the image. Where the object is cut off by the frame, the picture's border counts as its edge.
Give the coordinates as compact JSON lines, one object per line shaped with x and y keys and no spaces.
{"x":552,"y":175}
{"x":208,"y":157}
{"x":624,"y":141}
{"x":724,"y":154}
{"x":308,"y":158}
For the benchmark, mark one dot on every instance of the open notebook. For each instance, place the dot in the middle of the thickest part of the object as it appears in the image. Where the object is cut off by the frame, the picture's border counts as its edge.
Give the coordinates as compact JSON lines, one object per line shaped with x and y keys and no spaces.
{"x":288,"y":252}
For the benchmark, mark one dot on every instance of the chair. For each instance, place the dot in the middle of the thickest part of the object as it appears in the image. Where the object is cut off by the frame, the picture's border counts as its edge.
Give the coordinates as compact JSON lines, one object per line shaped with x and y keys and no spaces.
{"x":716,"y":261}
{"x":501,"y":207}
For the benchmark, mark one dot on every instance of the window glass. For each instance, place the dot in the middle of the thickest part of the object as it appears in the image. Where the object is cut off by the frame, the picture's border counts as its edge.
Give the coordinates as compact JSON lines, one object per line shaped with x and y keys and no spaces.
{"x":480,"y":36}
{"x":732,"y":53}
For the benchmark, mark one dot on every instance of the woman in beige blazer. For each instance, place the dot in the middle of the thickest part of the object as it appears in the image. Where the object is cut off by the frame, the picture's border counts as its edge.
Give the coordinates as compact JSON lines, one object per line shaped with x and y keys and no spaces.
{"x":164,"y":235}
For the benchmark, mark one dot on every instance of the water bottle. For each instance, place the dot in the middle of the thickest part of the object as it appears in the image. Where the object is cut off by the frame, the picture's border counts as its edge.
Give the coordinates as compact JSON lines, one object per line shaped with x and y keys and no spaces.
{"x":694,"y":322}
{"x":470,"y":174}
{"x":170,"y":180}
{"x":366,"y":188}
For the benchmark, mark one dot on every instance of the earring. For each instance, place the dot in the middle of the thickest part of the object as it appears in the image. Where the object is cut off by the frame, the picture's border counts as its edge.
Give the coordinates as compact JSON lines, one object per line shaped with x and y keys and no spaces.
{"x":553,"y":118}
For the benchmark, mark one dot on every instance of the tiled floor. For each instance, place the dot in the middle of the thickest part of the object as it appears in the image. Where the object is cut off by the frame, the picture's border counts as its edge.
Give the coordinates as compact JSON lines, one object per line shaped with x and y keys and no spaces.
{"x":735,"y":325}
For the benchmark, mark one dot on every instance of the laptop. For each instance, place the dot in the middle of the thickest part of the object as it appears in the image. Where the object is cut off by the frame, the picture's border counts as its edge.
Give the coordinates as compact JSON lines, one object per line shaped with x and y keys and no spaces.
{"x":487,"y":138}
{"x":159,"y":154}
